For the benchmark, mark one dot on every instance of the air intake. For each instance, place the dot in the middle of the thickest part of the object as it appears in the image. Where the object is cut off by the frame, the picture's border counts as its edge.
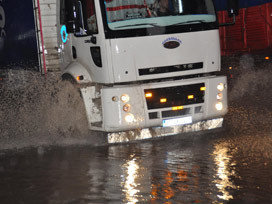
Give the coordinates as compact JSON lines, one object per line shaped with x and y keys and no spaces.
{"x":168,"y":69}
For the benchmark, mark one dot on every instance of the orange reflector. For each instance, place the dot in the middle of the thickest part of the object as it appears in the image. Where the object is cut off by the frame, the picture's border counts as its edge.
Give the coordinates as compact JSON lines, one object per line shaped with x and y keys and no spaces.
{"x":148,"y":95}
{"x":79,"y":78}
{"x":163,"y":100}
{"x":177,"y":108}
{"x":267,"y":58}
{"x":203,"y":88}
{"x":191,"y":97}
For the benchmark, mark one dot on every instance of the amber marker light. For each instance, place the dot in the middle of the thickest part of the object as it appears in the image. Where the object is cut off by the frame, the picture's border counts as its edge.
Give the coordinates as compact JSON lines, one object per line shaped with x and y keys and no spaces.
{"x":79,"y":78}
{"x":267,"y":58}
{"x":114,"y":98}
{"x":203,"y":88}
{"x":148,"y":95}
{"x":219,"y":96}
{"x":230,"y":68}
{"x":163,"y":100}
{"x":177,"y":108}
{"x":190,"y":96}
{"x":126,"y":107}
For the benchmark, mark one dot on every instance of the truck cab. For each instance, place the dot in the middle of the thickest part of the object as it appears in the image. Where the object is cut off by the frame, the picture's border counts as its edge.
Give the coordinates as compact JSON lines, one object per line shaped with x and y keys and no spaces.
{"x":143,"y":64}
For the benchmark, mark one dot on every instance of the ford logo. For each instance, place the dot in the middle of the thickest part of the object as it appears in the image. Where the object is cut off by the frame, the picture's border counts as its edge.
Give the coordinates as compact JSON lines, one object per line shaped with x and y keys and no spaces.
{"x":171,"y":44}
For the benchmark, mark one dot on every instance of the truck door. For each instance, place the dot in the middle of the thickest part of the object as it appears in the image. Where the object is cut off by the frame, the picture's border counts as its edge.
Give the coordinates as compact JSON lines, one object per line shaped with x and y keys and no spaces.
{"x":86,"y":42}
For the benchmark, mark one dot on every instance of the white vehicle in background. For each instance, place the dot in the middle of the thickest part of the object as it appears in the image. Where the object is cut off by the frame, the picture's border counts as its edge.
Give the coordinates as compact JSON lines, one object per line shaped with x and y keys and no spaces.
{"x":145,"y":68}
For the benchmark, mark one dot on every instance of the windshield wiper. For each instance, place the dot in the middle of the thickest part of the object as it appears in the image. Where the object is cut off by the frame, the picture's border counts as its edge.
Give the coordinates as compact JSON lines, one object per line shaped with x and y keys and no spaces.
{"x":140,"y":24}
{"x":188,"y":22}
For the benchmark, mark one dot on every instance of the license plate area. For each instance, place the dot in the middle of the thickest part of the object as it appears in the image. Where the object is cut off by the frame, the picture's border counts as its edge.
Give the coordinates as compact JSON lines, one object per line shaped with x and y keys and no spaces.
{"x":177,"y":121}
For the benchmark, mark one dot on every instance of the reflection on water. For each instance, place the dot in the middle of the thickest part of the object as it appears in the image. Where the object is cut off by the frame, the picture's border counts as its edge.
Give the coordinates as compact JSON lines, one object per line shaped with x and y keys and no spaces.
{"x":224,"y":173}
{"x":147,"y":175}
{"x":180,"y":181}
{"x":130,"y":184}
{"x":175,"y":175}
{"x":155,"y":173}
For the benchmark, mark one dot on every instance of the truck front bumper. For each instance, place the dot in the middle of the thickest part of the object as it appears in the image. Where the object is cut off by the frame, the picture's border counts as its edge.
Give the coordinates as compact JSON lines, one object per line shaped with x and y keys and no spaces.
{"x":187,"y":102}
{"x":149,"y":133}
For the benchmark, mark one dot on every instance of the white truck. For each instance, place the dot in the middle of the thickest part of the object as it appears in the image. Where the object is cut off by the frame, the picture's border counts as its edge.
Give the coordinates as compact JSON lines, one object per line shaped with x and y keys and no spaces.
{"x":145,"y":68}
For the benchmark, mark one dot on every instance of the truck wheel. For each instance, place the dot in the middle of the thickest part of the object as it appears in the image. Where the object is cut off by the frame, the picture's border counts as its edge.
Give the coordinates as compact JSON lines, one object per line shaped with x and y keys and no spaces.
{"x":74,"y":104}
{"x":73,"y":115}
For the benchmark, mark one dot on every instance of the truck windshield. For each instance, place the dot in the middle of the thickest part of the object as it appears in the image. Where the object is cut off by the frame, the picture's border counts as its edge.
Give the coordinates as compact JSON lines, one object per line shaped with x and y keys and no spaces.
{"x":135,"y":14}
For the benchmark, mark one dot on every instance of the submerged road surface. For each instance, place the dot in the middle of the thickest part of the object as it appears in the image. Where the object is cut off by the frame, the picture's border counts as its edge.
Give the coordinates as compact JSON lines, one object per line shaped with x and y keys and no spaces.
{"x":206,"y":168}
{"x":228,"y":165}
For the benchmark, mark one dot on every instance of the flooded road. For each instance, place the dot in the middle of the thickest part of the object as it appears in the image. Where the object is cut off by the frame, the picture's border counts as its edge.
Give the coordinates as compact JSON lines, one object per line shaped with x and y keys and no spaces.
{"x":204,"y":168}
{"x":50,"y":161}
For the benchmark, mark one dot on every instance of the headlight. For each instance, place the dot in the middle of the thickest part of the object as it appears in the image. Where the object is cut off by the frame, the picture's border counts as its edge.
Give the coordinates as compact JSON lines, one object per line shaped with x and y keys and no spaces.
{"x":219,"y":106}
{"x":124,"y":98}
{"x":220,"y":87}
{"x":129,"y":118}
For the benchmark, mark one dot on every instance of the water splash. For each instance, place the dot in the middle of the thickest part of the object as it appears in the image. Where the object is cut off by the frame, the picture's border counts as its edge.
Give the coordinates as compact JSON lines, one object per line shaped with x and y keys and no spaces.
{"x":35,"y":111}
{"x":38,"y":111}
{"x":249,"y":99}
{"x":248,"y":77}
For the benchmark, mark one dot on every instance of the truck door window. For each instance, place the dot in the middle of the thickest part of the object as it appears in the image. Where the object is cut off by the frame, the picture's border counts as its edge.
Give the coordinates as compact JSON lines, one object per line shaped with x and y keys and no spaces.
{"x":86,"y":11}
{"x":80,"y":17}
{"x":133,"y":14}
{"x":85,"y":16}
{"x":90,"y":17}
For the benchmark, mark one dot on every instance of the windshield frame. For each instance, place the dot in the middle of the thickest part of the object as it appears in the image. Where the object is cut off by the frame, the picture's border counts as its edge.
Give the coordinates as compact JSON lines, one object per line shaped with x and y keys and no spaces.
{"x":155,"y":30}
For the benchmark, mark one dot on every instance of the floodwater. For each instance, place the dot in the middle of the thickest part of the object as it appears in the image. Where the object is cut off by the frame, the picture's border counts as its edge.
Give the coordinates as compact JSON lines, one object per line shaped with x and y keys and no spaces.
{"x":47,"y":155}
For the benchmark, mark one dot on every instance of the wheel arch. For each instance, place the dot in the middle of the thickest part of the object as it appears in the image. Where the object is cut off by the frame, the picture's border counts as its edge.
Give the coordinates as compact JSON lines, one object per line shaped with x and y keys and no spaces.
{"x":76,"y":73}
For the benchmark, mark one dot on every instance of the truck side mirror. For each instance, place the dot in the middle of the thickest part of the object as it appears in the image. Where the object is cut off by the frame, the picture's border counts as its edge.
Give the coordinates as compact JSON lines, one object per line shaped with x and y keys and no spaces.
{"x":233,"y":11}
{"x":72,"y":18}
{"x":233,"y":7}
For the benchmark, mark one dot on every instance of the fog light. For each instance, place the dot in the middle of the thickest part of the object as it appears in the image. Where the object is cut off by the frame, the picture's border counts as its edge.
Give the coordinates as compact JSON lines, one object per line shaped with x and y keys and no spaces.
{"x":219,"y":96}
{"x":219,"y":106}
{"x":220,"y":87}
{"x":129,"y":118}
{"x":124,"y":98}
{"x":126,"y":107}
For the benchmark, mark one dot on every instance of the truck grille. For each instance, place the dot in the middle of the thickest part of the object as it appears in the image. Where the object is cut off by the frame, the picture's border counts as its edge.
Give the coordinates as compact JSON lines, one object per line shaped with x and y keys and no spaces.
{"x":170,"y":113}
{"x":175,"y":68}
{"x":176,"y":96}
